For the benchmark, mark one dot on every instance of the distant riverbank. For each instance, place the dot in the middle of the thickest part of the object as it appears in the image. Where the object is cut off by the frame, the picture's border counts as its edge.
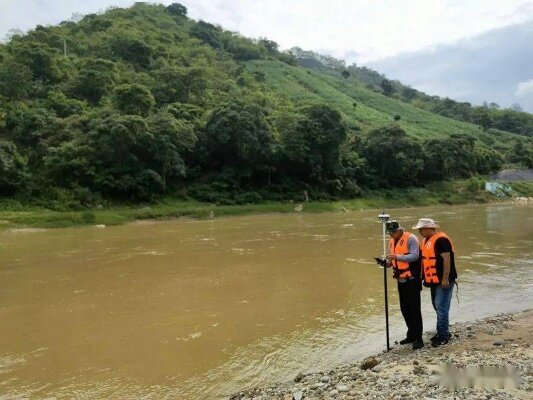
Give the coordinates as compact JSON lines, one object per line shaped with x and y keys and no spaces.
{"x":15,"y":215}
{"x":502,"y":342}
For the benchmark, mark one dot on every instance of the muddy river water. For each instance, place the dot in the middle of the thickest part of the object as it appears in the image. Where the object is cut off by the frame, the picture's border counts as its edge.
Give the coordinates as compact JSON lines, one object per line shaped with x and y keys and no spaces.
{"x":190,"y":309}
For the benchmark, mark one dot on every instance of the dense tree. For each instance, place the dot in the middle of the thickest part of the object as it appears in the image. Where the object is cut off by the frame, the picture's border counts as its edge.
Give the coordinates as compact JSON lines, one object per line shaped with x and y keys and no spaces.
{"x":119,"y":156}
{"x":16,"y":80}
{"x":387,"y":87}
{"x":238,"y":135}
{"x":453,"y":157}
{"x":96,"y":78}
{"x":194,"y":81}
{"x":187,"y":112}
{"x":63,"y":106}
{"x":487,"y":160}
{"x":91,"y":23}
{"x":513,"y":121}
{"x":396,"y":158}
{"x":177,"y":9}
{"x":32,"y":128}
{"x":312,"y":144}
{"x":242,"y":48}
{"x":133,"y":99}
{"x":271,"y":46}
{"x":521,"y":154}
{"x":172,"y":138}
{"x":483,"y":119}
{"x":12,"y":168}
{"x":40,"y":58}
{"x":353,"y":172}
{"x":208,"y":34}
{"x":71,"y":165}
{"x":408,"y":93}
{"x":124,"y":156}
{"x":131,"y":48}
{"x":169,"y":86}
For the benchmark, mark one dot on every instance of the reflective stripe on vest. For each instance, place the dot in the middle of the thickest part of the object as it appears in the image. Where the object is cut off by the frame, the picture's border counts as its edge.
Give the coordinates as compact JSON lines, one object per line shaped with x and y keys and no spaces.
{"x":429,"y":258}
{"x":401,"y":248}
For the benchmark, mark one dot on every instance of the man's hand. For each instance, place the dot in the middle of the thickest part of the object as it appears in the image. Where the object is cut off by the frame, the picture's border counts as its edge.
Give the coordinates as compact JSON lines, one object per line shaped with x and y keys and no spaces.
{"x":445,"y":284}
{"x":381,"y":261}
{"x":392,"y":257}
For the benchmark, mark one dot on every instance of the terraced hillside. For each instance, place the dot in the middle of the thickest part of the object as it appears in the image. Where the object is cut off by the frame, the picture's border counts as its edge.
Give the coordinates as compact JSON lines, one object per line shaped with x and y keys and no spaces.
{"x":363,"y":108}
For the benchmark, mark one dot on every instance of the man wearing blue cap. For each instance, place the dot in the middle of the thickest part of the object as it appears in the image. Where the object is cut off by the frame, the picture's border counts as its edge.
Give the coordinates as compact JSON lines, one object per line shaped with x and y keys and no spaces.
{"x":403,"y":256}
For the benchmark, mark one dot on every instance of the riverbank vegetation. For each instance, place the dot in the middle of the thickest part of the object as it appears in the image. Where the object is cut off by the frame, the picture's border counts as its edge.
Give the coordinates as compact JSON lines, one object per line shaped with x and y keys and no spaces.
{"x":14,"y":215}
{"x":104,"y":115}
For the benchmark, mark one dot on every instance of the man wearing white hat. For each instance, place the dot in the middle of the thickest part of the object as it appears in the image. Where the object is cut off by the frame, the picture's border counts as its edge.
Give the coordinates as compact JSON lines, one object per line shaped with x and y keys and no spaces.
{"x":439,"y":273}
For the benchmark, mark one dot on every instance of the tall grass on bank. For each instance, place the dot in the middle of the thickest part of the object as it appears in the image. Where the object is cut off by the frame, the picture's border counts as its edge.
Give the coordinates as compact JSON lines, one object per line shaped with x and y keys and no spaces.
{"x":14,"y":214}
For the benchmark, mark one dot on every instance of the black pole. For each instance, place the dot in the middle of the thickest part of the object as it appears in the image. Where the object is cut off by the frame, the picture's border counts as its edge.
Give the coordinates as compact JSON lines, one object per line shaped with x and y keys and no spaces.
{"x":384,"y":218}
{"x":386,"y":306}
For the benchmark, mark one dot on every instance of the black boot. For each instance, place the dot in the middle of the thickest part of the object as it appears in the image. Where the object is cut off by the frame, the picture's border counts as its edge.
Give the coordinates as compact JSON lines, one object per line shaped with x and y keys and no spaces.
{"x":418,"y":344}
{"x":406,"y":340}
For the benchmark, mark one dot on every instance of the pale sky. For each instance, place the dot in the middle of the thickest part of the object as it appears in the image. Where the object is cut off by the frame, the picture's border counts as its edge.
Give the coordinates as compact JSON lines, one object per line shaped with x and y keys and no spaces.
{"x":495,"y":66}
{"x":356,"y":30}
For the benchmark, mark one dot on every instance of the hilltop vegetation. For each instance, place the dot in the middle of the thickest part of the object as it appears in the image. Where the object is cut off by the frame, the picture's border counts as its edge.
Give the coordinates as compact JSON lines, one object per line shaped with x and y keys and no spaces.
{"x":488,"y":116}
{"x":138,"y":103}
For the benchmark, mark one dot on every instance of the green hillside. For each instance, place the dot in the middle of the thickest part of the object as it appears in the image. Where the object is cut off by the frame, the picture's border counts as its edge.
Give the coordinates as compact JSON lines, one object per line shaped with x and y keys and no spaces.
{"x":137,"y":104}
{"x":372,"y":110}
{"x":489,"y":116}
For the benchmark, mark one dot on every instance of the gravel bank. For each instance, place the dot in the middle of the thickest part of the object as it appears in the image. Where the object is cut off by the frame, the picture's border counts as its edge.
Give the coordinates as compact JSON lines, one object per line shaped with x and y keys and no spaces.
{"x":503,"y":341}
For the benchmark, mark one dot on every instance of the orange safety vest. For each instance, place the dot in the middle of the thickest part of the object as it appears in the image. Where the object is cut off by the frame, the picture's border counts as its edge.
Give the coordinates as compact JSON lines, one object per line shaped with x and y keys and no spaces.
{"x":401,"y":248}
{"x":429,"y":258}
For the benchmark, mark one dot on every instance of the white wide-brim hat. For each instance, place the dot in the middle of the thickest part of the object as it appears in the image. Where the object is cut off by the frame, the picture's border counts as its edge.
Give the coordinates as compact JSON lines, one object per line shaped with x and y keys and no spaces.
{"x":425,"y":223}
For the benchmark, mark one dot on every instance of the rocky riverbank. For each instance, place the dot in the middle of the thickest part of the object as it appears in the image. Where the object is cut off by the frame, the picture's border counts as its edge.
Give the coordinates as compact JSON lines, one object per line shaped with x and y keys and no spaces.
{"x":496,"y":353}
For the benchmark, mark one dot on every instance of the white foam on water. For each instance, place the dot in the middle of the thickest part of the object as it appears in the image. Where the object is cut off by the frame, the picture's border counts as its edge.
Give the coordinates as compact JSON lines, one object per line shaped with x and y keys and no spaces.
{"x":192,"y":336}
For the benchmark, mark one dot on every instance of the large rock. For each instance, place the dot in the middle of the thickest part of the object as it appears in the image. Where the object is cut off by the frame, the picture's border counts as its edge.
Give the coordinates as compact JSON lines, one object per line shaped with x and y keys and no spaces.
{"x":369,"y":362}
{"x":342,"y":388}
{"x":419,"y":370}
{"x":378,"y":368}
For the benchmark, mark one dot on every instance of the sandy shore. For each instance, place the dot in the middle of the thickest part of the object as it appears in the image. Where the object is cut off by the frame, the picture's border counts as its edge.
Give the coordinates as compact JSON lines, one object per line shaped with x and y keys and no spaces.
{"x":487,"y":359}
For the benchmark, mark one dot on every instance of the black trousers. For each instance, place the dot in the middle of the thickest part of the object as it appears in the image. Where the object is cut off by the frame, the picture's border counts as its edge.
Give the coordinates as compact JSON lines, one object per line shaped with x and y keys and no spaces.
{"x":409,"y":293}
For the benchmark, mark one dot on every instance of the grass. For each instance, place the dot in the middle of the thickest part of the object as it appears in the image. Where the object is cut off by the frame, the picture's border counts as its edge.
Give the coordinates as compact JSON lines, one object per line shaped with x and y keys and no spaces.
{"x":14,"y":215}
{"x":523,"y":188}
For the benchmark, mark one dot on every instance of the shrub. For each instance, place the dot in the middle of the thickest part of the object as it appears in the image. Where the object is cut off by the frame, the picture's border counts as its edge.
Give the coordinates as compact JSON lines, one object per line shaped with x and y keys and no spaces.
{"x":88,"y":217}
